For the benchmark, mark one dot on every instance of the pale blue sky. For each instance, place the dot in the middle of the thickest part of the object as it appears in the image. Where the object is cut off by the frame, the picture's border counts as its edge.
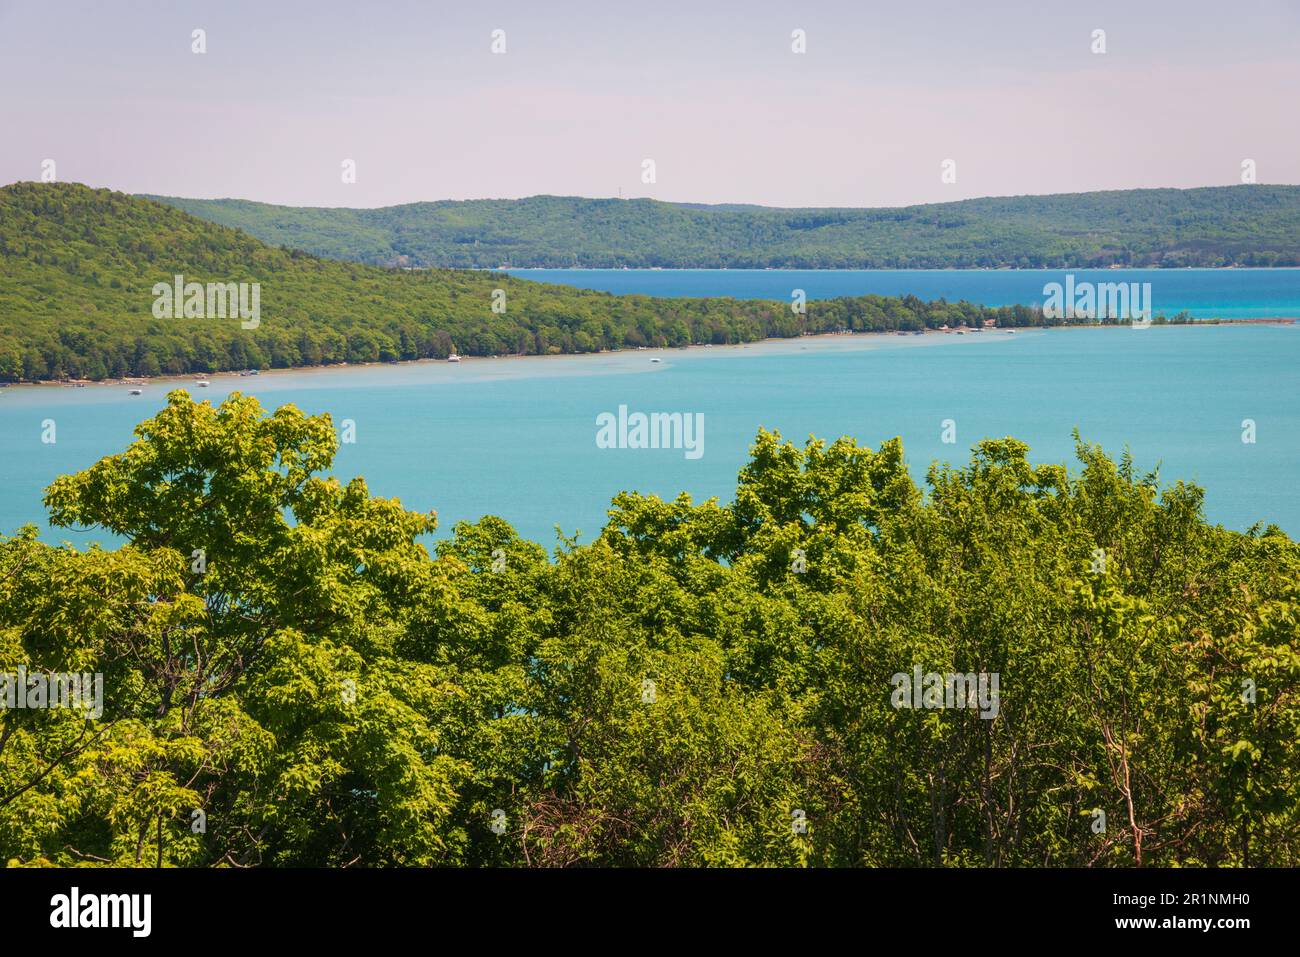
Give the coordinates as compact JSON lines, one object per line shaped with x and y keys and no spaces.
{"x":587,"y":90}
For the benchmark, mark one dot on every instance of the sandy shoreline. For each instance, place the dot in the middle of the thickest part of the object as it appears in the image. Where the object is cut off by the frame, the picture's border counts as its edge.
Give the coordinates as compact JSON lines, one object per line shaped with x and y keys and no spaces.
{"x":189,"y":378}
{"x":192,"y":377}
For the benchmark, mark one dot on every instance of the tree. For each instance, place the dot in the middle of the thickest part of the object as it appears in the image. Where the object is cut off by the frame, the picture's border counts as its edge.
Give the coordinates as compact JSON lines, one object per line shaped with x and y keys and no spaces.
{"x":291,"y":678}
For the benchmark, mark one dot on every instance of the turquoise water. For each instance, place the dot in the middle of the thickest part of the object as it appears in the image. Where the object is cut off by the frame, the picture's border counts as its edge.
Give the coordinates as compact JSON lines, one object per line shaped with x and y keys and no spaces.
{"x":516,"y":437}
{"x":1205,"y":293}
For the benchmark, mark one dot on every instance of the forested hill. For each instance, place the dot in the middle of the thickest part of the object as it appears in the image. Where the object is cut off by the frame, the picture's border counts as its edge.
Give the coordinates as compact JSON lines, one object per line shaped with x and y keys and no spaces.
{"x":1253,"y":225}
{"x":78,"y":268}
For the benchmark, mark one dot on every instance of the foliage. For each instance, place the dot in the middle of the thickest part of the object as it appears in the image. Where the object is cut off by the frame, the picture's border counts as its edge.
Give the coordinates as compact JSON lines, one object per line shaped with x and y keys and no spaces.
{"x":329,"y":693}
{"x":1249,"y":225}
{"x":78,"y":268}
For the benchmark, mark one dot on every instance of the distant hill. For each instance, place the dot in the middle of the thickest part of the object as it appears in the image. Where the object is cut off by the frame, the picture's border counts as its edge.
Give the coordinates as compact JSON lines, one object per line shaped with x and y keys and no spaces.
{"x":1253,"y":225}
{"x":78,"y":269}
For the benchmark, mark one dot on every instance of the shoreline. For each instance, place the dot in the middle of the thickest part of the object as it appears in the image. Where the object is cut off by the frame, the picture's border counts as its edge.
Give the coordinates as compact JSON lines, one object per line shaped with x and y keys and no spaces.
{"x":190,"y":378}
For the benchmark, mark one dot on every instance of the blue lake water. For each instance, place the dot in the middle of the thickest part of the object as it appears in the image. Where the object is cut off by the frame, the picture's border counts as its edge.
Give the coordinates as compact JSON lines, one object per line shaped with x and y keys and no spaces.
{"x":516,"y":437}
{"x":1205,"y":293}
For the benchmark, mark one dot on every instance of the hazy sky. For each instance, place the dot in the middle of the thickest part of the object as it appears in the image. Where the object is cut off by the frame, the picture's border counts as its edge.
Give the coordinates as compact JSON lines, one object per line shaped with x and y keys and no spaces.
{"x":588,"y":90}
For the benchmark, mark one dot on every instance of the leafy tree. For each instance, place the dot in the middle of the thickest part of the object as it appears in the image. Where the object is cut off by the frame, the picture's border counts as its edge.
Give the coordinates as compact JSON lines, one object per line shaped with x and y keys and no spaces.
{"x":292,"y":678}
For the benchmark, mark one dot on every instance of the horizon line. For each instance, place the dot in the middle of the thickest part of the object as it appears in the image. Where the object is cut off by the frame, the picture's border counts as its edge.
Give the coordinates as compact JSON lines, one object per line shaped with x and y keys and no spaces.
{"x":651,"y":199}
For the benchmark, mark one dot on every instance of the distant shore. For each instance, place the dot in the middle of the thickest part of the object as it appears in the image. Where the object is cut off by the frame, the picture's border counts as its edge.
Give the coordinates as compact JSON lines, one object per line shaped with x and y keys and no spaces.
{"x":189,"y":378}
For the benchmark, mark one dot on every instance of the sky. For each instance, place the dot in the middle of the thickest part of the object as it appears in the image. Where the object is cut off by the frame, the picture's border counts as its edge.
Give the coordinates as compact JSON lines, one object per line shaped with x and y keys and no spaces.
{"x":586,"y":92}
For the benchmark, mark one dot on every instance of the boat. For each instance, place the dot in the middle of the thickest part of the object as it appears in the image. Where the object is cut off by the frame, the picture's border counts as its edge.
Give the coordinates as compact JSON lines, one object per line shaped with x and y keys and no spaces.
{"x":137,"y":391}
{"x":453,"y":357}
{"x":202,"y":383}
{"x":656,"y":360}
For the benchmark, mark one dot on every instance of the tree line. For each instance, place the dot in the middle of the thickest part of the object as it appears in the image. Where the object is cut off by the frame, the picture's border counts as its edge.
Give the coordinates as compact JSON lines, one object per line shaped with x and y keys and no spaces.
{"x":1246,"y":225}
{"x":78,"y":268}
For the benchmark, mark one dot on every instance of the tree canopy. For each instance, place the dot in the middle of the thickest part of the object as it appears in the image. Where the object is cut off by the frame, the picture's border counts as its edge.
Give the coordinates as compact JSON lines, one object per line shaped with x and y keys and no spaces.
{"x":78,"y":268}
{"x":1246,"y":225}
{"x":292,"y":677}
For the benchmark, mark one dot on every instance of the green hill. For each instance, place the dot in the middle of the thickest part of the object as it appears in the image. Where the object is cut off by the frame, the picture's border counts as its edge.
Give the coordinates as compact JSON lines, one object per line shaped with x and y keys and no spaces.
{"x":78,"y":268}
{"x":1252,"y":225}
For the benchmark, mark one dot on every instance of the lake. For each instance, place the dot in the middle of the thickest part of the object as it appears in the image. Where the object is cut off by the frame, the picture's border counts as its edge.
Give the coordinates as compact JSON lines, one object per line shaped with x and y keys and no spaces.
{"x":1205,"y":293}
{"x":517,"y":437}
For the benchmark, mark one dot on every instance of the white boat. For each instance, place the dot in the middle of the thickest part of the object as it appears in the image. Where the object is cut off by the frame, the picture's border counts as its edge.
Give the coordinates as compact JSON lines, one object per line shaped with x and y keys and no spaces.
{"x":656,"y":360}
{"x":137,"y":391}
{"x":202,"y":383}
{"x":453,"y":358}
